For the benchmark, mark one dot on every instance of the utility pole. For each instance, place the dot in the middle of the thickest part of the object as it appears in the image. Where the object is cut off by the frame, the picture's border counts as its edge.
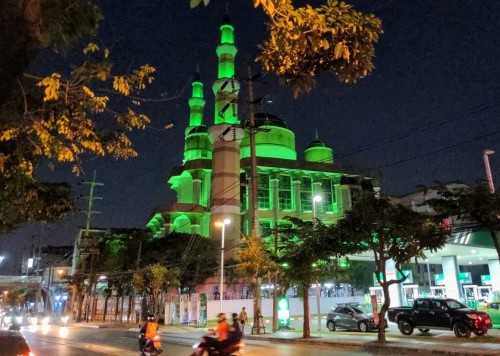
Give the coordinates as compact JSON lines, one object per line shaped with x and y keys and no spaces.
{"x":90,"y":247}
{"x":488,"y":169}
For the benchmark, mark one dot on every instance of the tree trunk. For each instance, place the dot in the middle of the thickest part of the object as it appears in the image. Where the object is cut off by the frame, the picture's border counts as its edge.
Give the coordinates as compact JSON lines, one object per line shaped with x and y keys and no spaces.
{"x":381,"y":315}
{"x":496,"y":241}
{"x":256,"y":306}
{"x":20,"y":40}
{"x":306,"y":327}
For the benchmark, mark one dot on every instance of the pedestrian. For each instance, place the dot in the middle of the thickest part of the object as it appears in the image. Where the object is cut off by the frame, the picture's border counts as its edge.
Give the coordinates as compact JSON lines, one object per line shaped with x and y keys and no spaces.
{"x":243,"y":317}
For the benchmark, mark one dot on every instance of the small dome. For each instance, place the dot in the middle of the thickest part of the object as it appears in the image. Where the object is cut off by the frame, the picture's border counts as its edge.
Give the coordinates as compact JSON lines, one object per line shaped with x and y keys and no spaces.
{"x":317,"y":143}
{"x":198,"y":129}
{"x":264,"y":119}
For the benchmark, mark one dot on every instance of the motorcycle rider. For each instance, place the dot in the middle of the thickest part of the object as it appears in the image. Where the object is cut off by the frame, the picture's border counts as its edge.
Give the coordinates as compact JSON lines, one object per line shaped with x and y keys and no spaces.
{"x":148,"y":331}
{"x":236,"y":334}
{"x":222,"y":330}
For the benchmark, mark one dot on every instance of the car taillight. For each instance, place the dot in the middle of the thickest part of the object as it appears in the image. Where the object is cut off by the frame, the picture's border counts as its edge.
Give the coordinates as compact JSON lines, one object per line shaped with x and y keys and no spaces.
{"x":31,"y":354}
{"x":156,"y":338}
{"x":474,"y":316}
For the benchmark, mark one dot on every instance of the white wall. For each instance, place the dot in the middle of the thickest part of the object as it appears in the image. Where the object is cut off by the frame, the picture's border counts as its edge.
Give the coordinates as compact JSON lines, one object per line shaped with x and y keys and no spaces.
{"x":296,"y":306}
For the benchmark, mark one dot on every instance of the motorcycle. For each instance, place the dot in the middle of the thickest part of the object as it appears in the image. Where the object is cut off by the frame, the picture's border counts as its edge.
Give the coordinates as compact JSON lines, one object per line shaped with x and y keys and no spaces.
{"x":64,"y":320}
{"x":150,"y":347}
{"x":206,"y":347}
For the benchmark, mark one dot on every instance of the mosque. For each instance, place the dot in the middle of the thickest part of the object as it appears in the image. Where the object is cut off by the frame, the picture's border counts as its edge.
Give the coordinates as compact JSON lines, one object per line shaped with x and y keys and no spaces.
{"x":212,"y":184}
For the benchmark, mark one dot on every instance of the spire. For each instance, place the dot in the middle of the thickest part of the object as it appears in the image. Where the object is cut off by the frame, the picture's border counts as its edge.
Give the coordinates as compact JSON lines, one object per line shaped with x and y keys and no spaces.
{"x":226,"y":87}
{"x":196,"y":102}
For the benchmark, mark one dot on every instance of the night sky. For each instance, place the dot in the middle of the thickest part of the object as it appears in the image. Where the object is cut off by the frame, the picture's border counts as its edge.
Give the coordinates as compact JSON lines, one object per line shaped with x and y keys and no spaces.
{"x":424,"y":115}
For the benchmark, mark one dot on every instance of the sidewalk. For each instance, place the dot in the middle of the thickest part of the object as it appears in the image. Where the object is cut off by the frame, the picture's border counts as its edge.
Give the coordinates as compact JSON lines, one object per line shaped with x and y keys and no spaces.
{"x":352,"y":341}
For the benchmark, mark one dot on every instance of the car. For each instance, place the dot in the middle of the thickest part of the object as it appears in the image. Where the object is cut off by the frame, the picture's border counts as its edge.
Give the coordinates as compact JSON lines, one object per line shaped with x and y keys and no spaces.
{"x":440,"y":313}
{"x":11,"y":318}
{"x":39,"y":319}
{"x":493,"y":310}
{"x":351,"y":317}
{"x":14,"y":343}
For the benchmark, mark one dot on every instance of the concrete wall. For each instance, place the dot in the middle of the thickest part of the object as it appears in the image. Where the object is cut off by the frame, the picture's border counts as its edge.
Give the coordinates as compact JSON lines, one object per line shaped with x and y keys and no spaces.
{"x":296,"y":306}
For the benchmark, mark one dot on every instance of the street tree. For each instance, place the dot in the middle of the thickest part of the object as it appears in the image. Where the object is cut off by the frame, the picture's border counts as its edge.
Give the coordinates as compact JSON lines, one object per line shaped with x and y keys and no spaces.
{"x":154,"y":279}
{"x":477,"y":205}
{"x":308,"y":252}
{"x":76,"y":282}
{"x":256,"y":263}
{"x":194,"y":255}
{"x":393,"y":233}
{"x":307,"y":42}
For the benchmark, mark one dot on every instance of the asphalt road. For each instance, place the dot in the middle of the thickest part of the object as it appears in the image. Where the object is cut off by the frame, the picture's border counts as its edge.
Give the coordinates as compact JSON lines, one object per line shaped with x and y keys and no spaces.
{"x":78,"y":341}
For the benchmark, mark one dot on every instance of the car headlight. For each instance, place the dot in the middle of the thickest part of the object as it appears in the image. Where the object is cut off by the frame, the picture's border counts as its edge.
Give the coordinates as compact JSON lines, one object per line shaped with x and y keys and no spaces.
{"x":64,"y":319}
{"x":7,"y":319}
{"x":34,"y":320}
{"x":19,"y":319}
{"x":45,"y":320}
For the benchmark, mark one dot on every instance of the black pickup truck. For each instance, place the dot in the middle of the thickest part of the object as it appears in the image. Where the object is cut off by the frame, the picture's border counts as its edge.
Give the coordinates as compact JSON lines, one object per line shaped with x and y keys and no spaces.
{"x":444,"y":314}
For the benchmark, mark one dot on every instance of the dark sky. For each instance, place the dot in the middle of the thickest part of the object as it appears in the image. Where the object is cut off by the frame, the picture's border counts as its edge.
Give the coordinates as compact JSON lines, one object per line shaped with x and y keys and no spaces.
{"x":424,"y":115}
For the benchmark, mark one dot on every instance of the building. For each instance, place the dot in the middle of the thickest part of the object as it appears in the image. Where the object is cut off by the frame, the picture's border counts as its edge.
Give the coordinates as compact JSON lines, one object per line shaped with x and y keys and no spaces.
{"x":212,"y":183}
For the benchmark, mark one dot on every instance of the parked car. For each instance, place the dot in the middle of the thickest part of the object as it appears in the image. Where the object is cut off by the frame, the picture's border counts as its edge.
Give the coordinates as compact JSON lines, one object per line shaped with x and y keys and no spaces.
{"x":493,"y":310}
{"x":14,"y":343}
{"x":445,"y":314}
{"x":351,"y":317}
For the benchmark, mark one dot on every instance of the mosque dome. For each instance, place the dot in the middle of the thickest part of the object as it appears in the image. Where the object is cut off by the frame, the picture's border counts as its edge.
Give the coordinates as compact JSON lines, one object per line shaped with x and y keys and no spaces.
{"x":318,"y":151}
{"x":273,"y":139}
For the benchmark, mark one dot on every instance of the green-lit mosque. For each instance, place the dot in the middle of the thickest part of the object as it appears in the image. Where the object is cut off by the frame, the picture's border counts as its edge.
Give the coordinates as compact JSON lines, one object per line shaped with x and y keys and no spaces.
{"x":212,"y":182}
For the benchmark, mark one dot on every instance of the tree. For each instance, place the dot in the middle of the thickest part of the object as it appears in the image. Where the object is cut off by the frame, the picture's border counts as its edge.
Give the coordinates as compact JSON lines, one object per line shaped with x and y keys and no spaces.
{"x":391,"y":232}
{"x":476,"y":204}
{"x":305,"y":42}
{"x":152,"y":280}
{"x":23,"y":199}
{"x":58,"y":118}
{"x":27,"y":26}
{"x":76,"y":282}
{"x":255,"y":263}
{"x":194,"y":255}
{"x":356,"y":275}
{"x":308,"y":252}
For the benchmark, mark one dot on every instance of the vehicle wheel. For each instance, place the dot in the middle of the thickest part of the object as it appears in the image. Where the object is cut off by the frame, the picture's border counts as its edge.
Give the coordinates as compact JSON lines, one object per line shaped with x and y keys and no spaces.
{"x":331,"y":326}
{"x":363,"y":327}
{"x":405,"y":327}
{"x":480,"y":332}
{"x":461,"y":330}
{"x":424,"y":331}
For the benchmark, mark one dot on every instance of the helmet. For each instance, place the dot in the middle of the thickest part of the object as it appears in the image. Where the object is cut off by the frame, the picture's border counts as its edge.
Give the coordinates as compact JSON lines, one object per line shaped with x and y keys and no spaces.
{"x":221,"y":317}
{"x":151,"y":317}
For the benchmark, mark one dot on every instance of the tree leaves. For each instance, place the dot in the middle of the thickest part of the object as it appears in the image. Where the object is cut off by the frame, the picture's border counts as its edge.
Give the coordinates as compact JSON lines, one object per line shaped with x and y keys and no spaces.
{"x":308,"y":42}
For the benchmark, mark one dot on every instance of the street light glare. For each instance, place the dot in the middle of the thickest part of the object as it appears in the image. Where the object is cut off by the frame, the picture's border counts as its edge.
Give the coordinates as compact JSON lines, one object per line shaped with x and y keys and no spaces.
{"x":317,"y":198}
{"x":221,"y":223}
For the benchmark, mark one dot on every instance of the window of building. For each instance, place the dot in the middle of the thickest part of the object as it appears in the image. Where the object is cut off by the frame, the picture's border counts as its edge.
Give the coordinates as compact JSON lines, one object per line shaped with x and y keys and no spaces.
{"x":263,"y":191}
{"x":306,"y":194}
{"x":285,"y":192}
{"x":328,"y":195}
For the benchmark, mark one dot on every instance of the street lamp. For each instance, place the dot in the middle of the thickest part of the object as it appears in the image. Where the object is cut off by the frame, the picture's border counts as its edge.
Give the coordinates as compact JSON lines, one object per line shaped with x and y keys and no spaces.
{"x":317,"y":198}
{"x":488,"y":169}
{"x":223,"y":225}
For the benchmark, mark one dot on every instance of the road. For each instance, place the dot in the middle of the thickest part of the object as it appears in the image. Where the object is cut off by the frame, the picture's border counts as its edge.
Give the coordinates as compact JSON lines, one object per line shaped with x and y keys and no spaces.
{"x":78,"y":341}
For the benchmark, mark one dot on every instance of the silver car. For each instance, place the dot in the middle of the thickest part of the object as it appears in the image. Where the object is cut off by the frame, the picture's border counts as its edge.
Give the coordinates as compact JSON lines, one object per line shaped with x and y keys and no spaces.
{"x":351,"y":317}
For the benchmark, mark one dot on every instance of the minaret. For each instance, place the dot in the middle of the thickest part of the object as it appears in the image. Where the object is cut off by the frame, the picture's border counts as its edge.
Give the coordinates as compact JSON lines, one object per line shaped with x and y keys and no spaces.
{"x":197,"y":145}
{"x":196,"y":102}
{"x":226,"y":138}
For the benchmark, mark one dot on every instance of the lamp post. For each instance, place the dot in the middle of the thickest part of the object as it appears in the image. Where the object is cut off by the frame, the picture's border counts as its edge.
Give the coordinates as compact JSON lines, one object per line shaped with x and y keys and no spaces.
{"x":488,"y":169}
{"x":223,"y":225}
{"x":317,"y":198}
